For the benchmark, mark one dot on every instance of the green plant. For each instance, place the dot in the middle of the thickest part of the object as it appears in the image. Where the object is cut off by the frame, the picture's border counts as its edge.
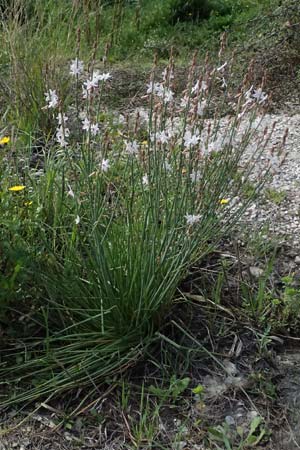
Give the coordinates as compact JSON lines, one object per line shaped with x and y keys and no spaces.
{"x":119,"y":211}
{"x":275,"y":196}
{"x":281,"y":308}
{"x":237,"y":438}
{"x":255,"y":294}
{"x":263,"y":385}
{"x":176,"y":387}
{"x":189,"y":10}
{"x":290,"y":302}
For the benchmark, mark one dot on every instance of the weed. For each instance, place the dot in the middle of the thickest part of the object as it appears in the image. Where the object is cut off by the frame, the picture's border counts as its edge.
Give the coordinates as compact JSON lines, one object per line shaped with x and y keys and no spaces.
{"x":236,"y":438}
{"x":275,"y":196}
{"x":176,"y":388}
{"x":254,"y":297}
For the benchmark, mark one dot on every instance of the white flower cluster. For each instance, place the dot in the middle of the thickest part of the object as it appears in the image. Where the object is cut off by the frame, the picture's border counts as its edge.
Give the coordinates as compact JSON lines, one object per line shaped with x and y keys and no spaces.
{"x":190,"y":139}
{"x":158,"y":89}
{"x":93,"y":128}
{"x":180,"y":126}
{"x":76,"y":67}
{"x":51,"y":98}
{"x":93,"y":83}
{"x":161,"y":137}
{"x":256,"y":95}
{"x":199,"y":88}
{"x":192,"y":219}
{"x":62,"y":132}
{"x":105,"y":165}
{"x":131,"y":148}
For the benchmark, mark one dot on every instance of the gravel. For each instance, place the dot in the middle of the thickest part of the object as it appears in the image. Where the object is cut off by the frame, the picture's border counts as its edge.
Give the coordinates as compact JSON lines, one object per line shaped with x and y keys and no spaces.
{"x":278,"y":208}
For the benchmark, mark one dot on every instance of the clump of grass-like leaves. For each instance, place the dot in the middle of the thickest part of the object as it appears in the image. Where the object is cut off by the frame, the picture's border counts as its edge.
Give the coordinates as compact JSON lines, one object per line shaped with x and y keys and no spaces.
{"x":116,"y":210}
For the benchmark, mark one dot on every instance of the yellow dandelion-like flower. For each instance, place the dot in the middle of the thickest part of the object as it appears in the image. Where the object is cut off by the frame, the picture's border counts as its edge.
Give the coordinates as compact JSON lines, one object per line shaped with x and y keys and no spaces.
{"x":224,"y":201}
{"x":4,"y":140}
{"x":144,"y":142}
{"x":28,"y":203}
{"x":17,"y":188}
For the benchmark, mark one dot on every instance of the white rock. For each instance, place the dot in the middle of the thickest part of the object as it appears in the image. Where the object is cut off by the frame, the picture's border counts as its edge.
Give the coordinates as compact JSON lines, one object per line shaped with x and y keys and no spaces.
{"x":256,"y":271}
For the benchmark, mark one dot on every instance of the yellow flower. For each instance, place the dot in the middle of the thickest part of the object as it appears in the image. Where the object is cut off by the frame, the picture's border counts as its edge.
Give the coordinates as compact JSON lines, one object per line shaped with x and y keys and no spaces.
{"x":4,"y":140}
{"x":27,"y":203}
{"x":16,"y":188}
{"x":224,"y":201}
{"x":144,"y":142}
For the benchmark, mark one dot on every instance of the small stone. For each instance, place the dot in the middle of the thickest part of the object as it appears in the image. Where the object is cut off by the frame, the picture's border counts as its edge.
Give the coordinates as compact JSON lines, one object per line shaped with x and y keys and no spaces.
{"x":230,"y":368}
{"x":256,"y":271}
{"x":229,"y":420}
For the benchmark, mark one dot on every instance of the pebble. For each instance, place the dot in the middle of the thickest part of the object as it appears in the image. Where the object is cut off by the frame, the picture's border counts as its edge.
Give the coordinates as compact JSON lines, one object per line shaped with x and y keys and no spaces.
{"x":282,"y":218}
{"x":256,"y":271}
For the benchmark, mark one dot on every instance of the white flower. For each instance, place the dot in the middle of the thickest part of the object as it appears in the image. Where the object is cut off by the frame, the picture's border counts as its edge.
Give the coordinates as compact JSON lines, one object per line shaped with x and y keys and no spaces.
{"x":150,"y":87}
{"x":166,"y":73}
{"x":104,"y":76}
{"x":132,"y":148}
{"x":119,"y":120}
{"x":99,"y":77}
{"x":201,"y":107}
{"x":259,"y":96}
{"x":61,"y":140}
{"x":221,"y":68}
{"x":195,"y":176}
{"x":197,"y":88}
{"x":77,"y":220}
{"x":213,"y":146}
{"x":61,"y":134}
{"x":86,"y":124}
{"x":76,"y":67}
{"x":88,"y":87}
{"x":95,"y":78}
{"x":156,"y":88}
{"x":204,"y":86}
{"x":191,"y":219}
{"x":168,"y":95}
{"x":63,"y":131}
{"x":184,"y":101}
{"x":51,"y":98}
{"x":161,"y":91}
{"x":145,"y":180}
{"x":105,"y":165}
{"x":90,"y":84}
{"x":248,"y":95}
{"x":85,"y":92}
{"x":167,"y":166}
{"x":191,"y":139}
{"x":70,"y":192}
{"x":94,"y":129}
{"x":61,"y":118}
{"x":224,"y":83}
{"x":142,"y":114}
{"x":161,"y":136}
